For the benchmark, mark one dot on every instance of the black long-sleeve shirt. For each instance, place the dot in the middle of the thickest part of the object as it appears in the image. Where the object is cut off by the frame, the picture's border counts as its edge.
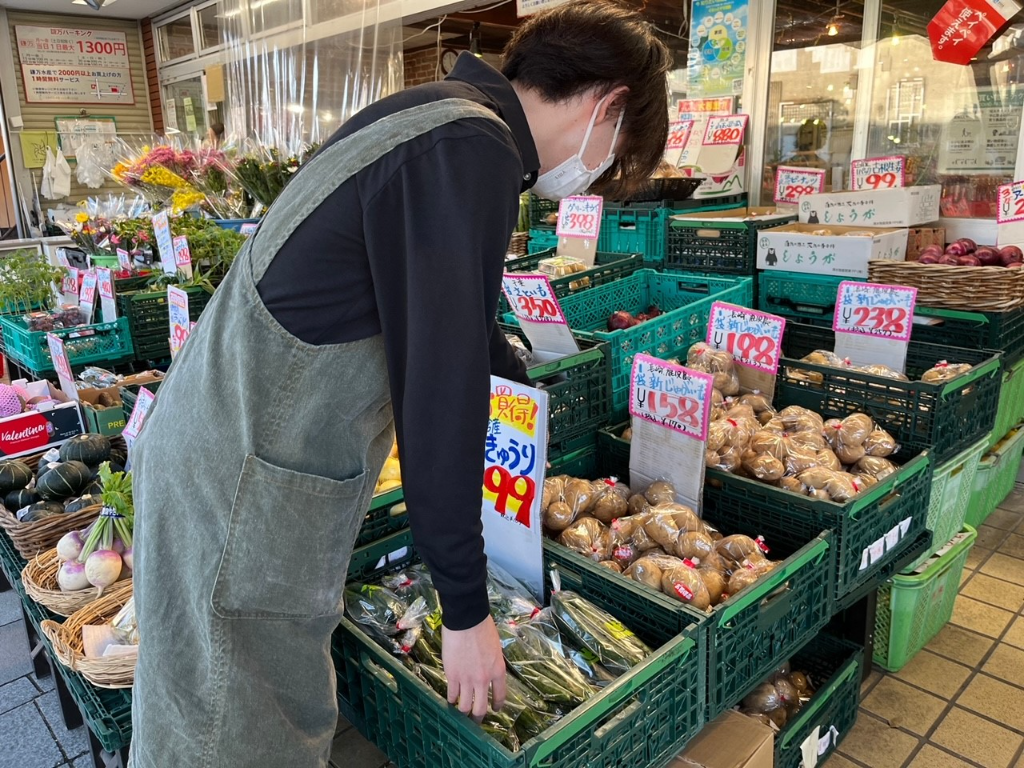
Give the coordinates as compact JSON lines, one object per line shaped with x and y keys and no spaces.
{"x":414,"y":247}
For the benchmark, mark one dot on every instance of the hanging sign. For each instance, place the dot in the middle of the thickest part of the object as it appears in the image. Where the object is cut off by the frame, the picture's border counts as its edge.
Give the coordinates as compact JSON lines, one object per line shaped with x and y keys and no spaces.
{"x":182,"y":255}
{"x":515,"y":456}
{"x":873,"y":323}
{"x":671,"y":408}
{"x":74,"y":66}
{"x":105,"y":284}
{"x":793,"y":183}
{"x":138,"y":416}
{"x":87,"y":298}
{"x":753,"y":338}
{"x":533,"y":301}
{"x":61,"y":364}
{"x":962,"y":28}
{"x":878,"y":173}
{"x":177,"y":310}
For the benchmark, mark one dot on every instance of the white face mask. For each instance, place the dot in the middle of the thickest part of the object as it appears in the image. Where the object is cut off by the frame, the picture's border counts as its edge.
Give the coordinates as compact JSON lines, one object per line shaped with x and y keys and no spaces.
{"x":572,"y":177}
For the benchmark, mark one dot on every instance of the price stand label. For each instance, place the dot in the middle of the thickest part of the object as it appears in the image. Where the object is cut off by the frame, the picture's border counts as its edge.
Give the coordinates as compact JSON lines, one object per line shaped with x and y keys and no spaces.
{"x":182,"y":255}
{"x":87,"y":298}
{"x":535,"y":306}
{"x":247,"y":228}
{"x":878,"y":173}
{"x":124,"y":261}
{"x":69,"y":286}
{"x":138,"y":415}
{"x":177,"y":306}
{"x":62,"y":365}
{"x":62,"y":258}
{"x":580,"y":216}
{"x":1011,"y":203}
{"x":873,"y":323}
{"x":105,"y":285}
{"x":725,"y":130}
{"x":793,"y":183}
{"x":679,"y":134}
{"x":164,"y":242}
{"x":753,"y":338}
{"x":515,"y":456}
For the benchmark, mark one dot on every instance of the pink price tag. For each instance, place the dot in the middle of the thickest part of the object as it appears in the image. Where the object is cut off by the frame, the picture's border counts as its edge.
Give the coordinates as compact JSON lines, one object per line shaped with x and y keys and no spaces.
{"x":793,"y":183}
{"x":105,"y":283}
{"x":138,"y":414}
{"x":532,"y":298}
{"x":123,"y":259}
{"x":753,"y":338}
{"x":725,"y":130}
{"x":878,"y":173}
{"x":580,"y":216}
{"x":177,"y":310}
{"x":1011,"y":203}
{"x":679,"y":134}
{"x":247,"y":228}
{"x":88,"y":295}
{"x":182,"y":255}
{"x":883,"y":311}
{"x":62,"y":365}
{"x":69,"y":284}
{"x":671,"y":396}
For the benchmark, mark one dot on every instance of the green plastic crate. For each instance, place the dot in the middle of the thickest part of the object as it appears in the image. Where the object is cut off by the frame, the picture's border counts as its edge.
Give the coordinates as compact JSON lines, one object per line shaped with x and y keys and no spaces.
{"x":913,"y":609}
{"x":952,"y":486}
{"x":108,"y":343}
{"x":685,"y":299}
{"x":635,"y":230}
{"x":541,"y":241}
{"x":540,"y":209}
{"x":834,"y":666}
{"x":149,"y":320}
{"x":11,"y":563}
{"x":1011,"y":403}
{"x":752,"y":631}
{"x":387,"y":515}
{"x":699,"y":243}
{"x":997,"y":474}
{"x":642,"y":719}
{"x":609,"y":267}
{"x":130,"y":394}
{"x":943,"y":419}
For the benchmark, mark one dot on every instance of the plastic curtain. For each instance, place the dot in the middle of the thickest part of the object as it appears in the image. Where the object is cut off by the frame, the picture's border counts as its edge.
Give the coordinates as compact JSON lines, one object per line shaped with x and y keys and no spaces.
{"x":297,"y":69}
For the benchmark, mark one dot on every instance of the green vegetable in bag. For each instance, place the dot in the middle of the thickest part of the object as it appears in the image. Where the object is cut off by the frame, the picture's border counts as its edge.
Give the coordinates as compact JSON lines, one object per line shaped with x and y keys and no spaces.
{"x":499,"y":725}
{"x":531,"y":655}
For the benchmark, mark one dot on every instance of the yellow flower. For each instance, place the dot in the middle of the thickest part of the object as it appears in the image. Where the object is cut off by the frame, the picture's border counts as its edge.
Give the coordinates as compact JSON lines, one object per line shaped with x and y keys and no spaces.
{"x":119,"y":171}
{"x":183,"y":199}
{"x":81,"y":217}
{"x":161,"y":177}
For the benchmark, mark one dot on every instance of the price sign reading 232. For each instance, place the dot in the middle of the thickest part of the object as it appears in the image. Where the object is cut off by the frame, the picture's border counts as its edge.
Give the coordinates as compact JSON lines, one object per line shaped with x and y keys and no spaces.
{"x":885,"y":311}
{"x":671,"y":396}
{"x":532,"y":298}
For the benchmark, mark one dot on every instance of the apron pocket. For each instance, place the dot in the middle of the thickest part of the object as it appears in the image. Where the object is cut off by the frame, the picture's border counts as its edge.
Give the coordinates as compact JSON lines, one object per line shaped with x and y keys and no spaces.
{"x":288,"y":544}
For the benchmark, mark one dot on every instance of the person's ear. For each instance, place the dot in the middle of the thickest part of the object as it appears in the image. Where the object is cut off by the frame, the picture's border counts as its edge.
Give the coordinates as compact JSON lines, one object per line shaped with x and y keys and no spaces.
{"x":613,"y":104}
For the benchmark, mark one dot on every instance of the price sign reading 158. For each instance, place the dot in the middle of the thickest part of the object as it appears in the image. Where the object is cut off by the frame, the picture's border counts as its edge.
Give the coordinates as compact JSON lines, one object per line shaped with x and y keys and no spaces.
{"x":884,"y":311}
{"x":671,"y":396}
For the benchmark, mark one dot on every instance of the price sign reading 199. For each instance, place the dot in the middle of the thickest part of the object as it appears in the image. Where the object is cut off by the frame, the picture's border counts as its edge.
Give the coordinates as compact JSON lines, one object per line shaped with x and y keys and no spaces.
{"x":532,"y":298}
{"x":884,"y":311}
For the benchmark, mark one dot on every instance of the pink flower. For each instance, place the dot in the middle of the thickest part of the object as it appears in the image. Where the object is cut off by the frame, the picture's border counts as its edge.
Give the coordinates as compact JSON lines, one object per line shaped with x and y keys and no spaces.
{"x":143,"y":236}
{"x":115,"y":239}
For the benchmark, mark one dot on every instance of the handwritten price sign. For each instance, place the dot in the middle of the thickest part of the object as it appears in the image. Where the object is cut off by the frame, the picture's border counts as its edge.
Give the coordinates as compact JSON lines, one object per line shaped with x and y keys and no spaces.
{"x":725,"y":129}
{"x":177,"y":306}
{"x":879,"y":173}
{"x":532,"y":298}
{"x":679,"y":134}
{"x":69,"y":285}
{"x":62,"y":365}
{"x":883,"y":311}
{"x":580,"y":216}
{"x":105,"y":284}
{"x":124,"y":261}
{"x":138,"y":416}
{"x":793,"y":183}
{"x":671,"y":396}
{"x":87,"y":299}
{"x":753,"y":338}
{"x":164,"y":242}
{"x":1011,"y":203}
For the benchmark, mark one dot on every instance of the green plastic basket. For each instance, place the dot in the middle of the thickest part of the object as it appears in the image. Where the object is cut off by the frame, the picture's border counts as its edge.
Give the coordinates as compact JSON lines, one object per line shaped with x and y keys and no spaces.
{"x":149,"y":320}
{"x":540,"y":209}
{"x":943,"y":419}
{"x":609,"y":267}
{"x":541,"y":241}
{"x":699,"y":243}
{"x":635,"y":230}
{"x":913,"y":609}
{"x":108,"y":343}
{"x":1011,"y":403}
{"x":387,"y":515}
{"x":997,"y":474}
{"x":642,"y":719}
{"x":130,"y":394}
{"x":952,"y":486}
{"x":834,"y":666}
{"x":751,"y":631}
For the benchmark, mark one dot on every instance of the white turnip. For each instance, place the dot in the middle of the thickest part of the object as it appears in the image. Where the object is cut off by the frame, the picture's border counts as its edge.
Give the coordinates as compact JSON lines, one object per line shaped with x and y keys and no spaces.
{"x":71,"y":576}
{"x":103,"y":568}
{"x":70,"y":546}
{"x":128,"y":558}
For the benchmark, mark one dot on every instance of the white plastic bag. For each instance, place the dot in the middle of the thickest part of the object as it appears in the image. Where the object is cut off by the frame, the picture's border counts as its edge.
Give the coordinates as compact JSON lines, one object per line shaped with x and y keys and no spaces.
{"x":61,"y":176}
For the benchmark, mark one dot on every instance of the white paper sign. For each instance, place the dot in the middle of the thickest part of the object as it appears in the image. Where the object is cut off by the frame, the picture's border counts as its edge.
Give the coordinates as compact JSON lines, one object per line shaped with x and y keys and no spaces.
{"x":873,"y":323}
{"x":164,"y":242}
{"x":72,"y":65}
{"x":124,"y":261}
{"x":515,"y":457}
{"x":879,"y":173}
{"x":105,"y":284}
{"x":725,"y":130}
{"x":1010,"y":214}
{"x":87,"y":298}
{"x":753,"y":338}
{"x":182,"y":255}
{"x":793,"y":183}
{"x":60,"y":363}
{"x":69,"y":286}
{"x":535,"y":306}
{"x":177,"y":311}
{"x":580,"y":216}
{"x":138,"y":416}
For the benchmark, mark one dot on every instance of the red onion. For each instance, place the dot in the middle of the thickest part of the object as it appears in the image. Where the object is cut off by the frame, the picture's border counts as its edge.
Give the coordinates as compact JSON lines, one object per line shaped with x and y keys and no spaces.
{"x":989,"y":257}
{"x":928,"y":258}
{"x":1015,"y":265}
{"x":1010,"y":253}
{"x":933,"y":248}
{"x":956,"y":249}
{"x":949,"y":260}
{"x":620,"y":320}
{"x":969,"y":244}
{"x":970,"y":260}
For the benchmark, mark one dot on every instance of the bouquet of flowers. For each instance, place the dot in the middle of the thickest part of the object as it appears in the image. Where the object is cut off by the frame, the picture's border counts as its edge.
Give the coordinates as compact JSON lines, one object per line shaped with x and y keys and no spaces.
{"x":213,"y":175}
{"x":264,"y":171}
{"x":160,"y":173}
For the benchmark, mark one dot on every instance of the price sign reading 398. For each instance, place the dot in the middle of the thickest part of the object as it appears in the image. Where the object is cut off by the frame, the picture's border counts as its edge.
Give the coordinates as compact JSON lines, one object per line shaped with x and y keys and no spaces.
{"x":884,"y":311}
{"x":671,"y":396}
{"x":580,"y":216}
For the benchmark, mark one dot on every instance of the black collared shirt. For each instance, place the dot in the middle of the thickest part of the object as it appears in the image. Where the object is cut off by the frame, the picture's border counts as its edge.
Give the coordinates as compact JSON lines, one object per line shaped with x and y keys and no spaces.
{"x":414,"y":247}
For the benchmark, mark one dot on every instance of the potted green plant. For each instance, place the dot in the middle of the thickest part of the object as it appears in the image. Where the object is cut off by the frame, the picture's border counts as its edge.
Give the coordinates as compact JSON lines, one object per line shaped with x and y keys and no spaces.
{"x":26,"y":281}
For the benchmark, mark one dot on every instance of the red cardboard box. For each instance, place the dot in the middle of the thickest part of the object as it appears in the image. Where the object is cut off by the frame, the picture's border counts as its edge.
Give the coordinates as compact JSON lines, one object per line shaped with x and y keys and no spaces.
{"x":36,"y":431}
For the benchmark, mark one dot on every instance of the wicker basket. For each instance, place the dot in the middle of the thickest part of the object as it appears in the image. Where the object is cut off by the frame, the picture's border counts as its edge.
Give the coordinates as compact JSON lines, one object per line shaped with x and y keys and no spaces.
{"x":979,"y":289}
{"x":66,"y":640}
{"x":40,"y":580}
{"x":31,"y":539}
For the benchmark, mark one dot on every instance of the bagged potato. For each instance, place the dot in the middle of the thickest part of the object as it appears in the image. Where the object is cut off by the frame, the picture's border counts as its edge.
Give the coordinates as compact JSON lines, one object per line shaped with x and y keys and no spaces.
{"x":792,"y":484}
{"x":638,"y":504}
{"x":645,"y":571}
{"x":800,"y":459}
{"x":684,"y":584}
{"x":828,"y":460}
{"x":718,"y":433}
{"x":743,"y":577}
{"x":590,"y":538}
{"x":769,"y":443}
{"x":694,"y":545}
{"x":553,"y":489}
{"x":610,"y":500}
{"x":714,"y":582}
{"x":880,"y":443}
{"x":944,"y":371}
{"x":558,"y":516}
{"x":883,"y":371}
{"x":702,"y":357}
{"x":611,"y":565}
{"x":579,"y":495}
{"x":764,"y":467}
{"x":738,"y":551}
{"x":660,"y":492}
{"x":875,"y":466}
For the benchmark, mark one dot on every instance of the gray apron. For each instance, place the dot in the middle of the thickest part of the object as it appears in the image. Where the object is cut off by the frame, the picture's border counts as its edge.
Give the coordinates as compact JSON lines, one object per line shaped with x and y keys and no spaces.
{"x":253,"y":473}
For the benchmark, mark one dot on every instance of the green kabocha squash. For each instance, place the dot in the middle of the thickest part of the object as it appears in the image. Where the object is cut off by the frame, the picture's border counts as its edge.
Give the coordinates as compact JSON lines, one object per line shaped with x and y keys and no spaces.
{"x":20,"y":499}
{"x":45,"y":466}
{"x":40,"y":511}
{"x":77,"y":505}
{"x":88,"y":448}
{"x":67,"y":479}
{"x":14,"y":475}
{"x":95,"y":488}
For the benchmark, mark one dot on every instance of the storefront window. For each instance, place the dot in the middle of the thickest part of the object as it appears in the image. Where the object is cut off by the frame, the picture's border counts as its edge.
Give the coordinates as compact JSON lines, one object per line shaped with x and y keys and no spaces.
{"x":211,"y":25}
{"x":265,"y":15}
{"x":175,"y":39}
{"x":184,"y":108}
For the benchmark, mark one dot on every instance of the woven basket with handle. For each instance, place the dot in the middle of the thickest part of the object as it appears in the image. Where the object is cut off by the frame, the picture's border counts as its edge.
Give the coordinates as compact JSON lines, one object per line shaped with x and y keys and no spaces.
{"x":979,"y":289}
{"x":40,"y":580}
{"x":31,"y":539}
{"x":66,"y":640}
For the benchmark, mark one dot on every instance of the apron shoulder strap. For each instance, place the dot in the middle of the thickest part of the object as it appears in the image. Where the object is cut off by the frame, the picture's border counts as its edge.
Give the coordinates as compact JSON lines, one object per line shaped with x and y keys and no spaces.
{"x":333,"y":166}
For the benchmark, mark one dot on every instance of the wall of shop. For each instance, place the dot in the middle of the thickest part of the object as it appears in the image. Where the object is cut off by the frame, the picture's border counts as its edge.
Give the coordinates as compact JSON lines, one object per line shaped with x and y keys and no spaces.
{"x":132,"y":121}
{"x":421,"y":67}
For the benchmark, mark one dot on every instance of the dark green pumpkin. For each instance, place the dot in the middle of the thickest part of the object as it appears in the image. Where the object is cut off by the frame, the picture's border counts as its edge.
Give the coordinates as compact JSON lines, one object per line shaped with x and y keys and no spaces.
{"x":113,"y":468}
{"x":118,"y":456}
{"x":77,"y":505}
{"x":88,"y":448}
{"x":64,"y":481}
{"x":20,"y":499}
{"x":41,"y":510}
{"x":14,"y":475}
{"x":95,"y":488}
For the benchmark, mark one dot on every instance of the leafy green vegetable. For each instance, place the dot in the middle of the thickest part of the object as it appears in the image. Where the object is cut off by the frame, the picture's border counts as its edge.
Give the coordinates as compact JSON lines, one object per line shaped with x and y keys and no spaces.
{"x":597,"y":632}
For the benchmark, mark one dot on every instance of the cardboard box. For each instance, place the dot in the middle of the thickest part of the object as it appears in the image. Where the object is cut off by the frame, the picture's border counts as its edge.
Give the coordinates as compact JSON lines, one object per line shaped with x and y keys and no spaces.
{"x":37,"y":431}
{"x":730,"y":741}
{"x":762,"y":213}
{"x":901,"y":207}
{"x":795,"y":248}
{"x":921,"y":237}
{"x":109,"y":421}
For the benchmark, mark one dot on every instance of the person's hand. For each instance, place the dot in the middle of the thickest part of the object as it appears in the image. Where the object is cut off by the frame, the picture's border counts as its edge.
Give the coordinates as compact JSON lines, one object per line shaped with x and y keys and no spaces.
{"x":474,"y":666}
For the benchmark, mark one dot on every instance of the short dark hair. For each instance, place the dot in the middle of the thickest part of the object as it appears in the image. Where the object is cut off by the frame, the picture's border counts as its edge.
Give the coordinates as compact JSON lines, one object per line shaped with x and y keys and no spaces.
{"x":218,"y":129}
{"x":568,"y":50}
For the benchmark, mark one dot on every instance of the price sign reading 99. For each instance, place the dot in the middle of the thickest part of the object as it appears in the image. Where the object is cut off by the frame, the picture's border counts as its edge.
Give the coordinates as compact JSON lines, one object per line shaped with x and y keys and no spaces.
{"x":580,"y":216}
{"x":878,"y":173}
{"x":725,"y":129}
{"x":177,"y":306}
{"x":883,"y":311}
{"x":532,"y":298}
{"x":793,"y":183}
{"x":753,"y":338}
{"x":671,"y":396}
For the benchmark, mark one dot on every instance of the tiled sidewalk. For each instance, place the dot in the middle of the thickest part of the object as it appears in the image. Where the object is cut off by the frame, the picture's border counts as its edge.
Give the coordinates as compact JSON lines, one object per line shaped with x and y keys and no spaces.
{"x":958,"y":704}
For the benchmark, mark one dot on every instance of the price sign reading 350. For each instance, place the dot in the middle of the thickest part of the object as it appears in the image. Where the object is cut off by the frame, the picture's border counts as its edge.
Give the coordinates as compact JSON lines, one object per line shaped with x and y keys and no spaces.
{"x":884,"y":311}
{"x":671,"y":396}
{"x":580,"y":216}
{"x":753,"y":338}
{"x":532,"y":298}
{"x":725,"y":129}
